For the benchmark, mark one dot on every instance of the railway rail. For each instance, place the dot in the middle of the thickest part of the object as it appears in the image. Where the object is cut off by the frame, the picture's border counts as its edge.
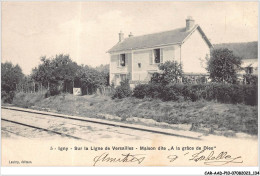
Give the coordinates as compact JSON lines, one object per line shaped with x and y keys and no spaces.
{"x":40,"y":128}
{"x":90,"y":120}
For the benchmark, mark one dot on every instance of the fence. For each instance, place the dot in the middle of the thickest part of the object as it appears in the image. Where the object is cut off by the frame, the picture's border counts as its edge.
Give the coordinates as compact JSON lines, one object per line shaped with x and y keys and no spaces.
{"x":35,"y":87}
{"x":106,"y":91}
{"x":32,"y":87}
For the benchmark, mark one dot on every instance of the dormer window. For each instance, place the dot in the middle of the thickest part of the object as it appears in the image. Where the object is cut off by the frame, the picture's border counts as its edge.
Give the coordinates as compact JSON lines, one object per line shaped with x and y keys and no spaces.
{"x":122,"y":60}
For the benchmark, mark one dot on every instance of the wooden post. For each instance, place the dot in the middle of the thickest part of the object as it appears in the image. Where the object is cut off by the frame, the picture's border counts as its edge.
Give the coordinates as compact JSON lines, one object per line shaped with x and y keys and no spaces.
{"x":34,"y":86}
{"x":72,"y":86}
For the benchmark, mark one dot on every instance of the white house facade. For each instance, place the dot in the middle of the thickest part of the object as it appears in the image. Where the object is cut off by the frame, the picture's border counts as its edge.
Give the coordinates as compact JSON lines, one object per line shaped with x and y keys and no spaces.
{"x":137,"y":58}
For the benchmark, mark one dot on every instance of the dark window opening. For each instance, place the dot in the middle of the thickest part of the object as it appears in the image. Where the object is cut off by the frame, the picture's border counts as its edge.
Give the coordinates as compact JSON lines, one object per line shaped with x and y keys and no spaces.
{"x":249,"y":70}
{"x":156,"y":53}
{"x":122,"y":60}
{"x":139,"y":65}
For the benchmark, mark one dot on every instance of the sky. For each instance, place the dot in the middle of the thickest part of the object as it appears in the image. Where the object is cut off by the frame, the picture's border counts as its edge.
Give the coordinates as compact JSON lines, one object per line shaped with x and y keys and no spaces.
{"x":87,"y":30}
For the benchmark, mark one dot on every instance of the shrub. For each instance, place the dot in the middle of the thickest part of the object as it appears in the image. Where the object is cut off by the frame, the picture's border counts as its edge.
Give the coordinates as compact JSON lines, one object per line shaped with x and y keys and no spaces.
{"x":250,"y":94}
{"x":141,"y":90}
{"x":250,"y":79}
{"x":7,"y":97}
{"x":223,"y":93}
{"x":123,"y":90}
{"x":155,"y":90}
{"x":171,"y":72}
{"x":172,"y":92}
{"x":54,"y":89}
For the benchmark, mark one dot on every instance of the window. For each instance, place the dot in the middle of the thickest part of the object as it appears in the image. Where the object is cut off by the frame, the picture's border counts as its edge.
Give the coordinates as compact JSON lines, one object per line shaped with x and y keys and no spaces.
{"x":139,"y":65}
{"x":156,"y":54}
{"x":249,"y":70}
{"x":122,"y":60}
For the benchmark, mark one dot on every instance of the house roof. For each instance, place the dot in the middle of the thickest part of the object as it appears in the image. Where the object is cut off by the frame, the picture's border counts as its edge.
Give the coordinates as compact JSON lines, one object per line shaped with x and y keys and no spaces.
{"x":176,"y":36}
{"x":248,"y":50}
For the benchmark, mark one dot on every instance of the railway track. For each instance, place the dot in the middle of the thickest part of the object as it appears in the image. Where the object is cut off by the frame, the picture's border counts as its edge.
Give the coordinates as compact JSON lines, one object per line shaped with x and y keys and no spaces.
{"x":90,"y":120}
{"x":40,"y":128}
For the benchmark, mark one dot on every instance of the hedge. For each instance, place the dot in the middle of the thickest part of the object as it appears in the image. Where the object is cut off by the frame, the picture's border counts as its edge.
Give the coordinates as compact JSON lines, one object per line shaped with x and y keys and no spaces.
{"x":224,"y":93}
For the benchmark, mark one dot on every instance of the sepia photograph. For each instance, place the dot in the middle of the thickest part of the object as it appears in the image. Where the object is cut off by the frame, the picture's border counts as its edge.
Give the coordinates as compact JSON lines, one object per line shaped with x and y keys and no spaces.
{"x":115,"y":83}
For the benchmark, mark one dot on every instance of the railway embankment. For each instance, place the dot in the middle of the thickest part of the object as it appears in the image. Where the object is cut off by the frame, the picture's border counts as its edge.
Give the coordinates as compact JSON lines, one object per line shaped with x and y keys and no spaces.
{"x":229,"y":120}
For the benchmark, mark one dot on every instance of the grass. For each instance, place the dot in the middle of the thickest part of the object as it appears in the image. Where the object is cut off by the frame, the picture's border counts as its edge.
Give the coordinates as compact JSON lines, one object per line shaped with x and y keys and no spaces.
{"x":201,"y":114}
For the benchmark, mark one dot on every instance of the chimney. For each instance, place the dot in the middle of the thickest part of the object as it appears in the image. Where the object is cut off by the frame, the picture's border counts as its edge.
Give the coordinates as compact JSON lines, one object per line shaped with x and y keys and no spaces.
{"x":189,"y":23}
{"x":121,"y":36}
{"x":130,"y":35}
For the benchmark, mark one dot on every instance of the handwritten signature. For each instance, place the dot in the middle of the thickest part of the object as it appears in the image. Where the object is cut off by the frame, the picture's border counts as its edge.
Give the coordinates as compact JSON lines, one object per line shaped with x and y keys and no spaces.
{"x":211,"y":158}
{"x":105,"y":157}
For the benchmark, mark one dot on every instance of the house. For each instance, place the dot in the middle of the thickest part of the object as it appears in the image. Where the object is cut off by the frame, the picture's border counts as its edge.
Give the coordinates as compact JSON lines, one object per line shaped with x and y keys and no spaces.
{"x":250,"y":66}
{"x":137,"y":58}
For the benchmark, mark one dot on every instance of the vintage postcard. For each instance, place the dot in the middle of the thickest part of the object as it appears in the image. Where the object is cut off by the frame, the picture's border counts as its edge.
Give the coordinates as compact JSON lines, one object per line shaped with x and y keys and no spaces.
{"x":129,"y":84}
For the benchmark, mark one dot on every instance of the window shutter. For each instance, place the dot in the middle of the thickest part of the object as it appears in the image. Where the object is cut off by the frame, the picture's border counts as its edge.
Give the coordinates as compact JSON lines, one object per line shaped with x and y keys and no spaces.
{"x":161,"y":54}
{"x":151,"y":57}
{"x":126,"y":59}
{"x":118,"y":60}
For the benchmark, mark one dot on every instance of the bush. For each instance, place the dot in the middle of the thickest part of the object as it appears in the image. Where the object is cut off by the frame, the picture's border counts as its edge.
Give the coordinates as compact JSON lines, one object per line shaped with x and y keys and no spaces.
{"x":141,"y":90}
{"x":7,"y":97}
{"x":250,"y":79}
{"x":54,"y":90}
{"x":250,"y":94}
{"x":171,"y":72}
{"x":172,"y":92}
{"x":122,"y":91}
{"x":151,"y":90}
{"x":223,"y":93}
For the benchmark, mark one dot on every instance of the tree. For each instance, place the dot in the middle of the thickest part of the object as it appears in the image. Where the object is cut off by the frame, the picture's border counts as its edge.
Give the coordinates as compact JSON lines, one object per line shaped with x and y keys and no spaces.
{"x":223,"y":66}
{"x":90,"y":79}
{"x":11,"y":76}
{"x":43,"y":73}
{"x":104,"y":70}
{"x":56,"y":71}
{"x":171,"y":73}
